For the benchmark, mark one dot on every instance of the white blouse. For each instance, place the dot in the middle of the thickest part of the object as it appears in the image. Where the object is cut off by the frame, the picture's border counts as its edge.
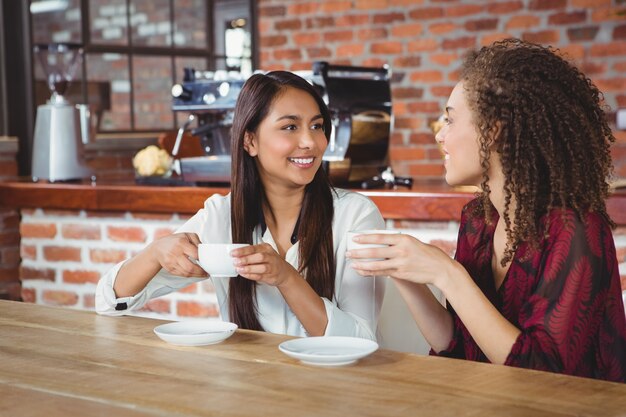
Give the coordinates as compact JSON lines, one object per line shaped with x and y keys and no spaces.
{"x":352,"y":312}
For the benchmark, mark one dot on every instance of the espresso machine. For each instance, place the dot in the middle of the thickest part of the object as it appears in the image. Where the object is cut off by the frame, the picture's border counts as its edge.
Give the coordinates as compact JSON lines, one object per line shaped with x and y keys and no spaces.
{"x":209,"y":97}
{"x":61,"y":129}
{"x":359,"y":99}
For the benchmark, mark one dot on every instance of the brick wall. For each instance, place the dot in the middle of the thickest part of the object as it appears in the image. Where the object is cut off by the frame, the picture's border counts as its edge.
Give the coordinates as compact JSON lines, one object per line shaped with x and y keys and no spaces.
{"x":9,"y":222}
{"x":64,"y":254}
{"x":423,"y":42}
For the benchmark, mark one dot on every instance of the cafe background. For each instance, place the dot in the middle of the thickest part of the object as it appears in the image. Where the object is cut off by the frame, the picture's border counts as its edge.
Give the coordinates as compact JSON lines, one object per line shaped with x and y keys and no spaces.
{"x":135,"y":51}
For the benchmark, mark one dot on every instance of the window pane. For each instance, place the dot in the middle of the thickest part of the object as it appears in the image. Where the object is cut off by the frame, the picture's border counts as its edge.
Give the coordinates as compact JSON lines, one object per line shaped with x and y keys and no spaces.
{"x":152,"y":85}
{"x":190,"y":18}
{"x":151,"y":22}
{"x":56,"y":22}
{"x":108,"y":21}
{"x":109,"y":73}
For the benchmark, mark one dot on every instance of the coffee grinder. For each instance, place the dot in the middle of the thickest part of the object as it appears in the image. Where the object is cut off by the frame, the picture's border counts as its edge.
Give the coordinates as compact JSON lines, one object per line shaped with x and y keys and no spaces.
{"x":60,"y":126}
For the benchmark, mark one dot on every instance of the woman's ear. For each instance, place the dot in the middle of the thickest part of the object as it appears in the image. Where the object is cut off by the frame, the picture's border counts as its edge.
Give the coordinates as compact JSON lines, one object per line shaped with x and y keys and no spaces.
{"x":249,"y":144}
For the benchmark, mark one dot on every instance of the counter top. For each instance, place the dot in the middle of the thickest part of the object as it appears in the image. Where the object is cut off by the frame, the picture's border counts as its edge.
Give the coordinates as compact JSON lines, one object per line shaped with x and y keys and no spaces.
{"x":424,"y":202}
{"x":59,"y":362}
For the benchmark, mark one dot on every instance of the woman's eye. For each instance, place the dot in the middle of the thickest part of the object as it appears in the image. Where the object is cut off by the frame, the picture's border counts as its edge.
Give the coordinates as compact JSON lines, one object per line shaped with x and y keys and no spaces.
{"x":447,"y":120}
{"x":317,"y":126}
{"x":290,"y":127}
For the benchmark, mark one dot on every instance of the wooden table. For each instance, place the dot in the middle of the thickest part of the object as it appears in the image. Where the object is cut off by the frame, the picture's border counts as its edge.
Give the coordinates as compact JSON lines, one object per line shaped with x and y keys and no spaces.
{"x":61,"y":362}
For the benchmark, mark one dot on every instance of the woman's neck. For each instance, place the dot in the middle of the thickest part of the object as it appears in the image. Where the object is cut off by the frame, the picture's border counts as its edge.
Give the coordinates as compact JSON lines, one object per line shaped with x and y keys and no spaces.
{"x":281,"y":210}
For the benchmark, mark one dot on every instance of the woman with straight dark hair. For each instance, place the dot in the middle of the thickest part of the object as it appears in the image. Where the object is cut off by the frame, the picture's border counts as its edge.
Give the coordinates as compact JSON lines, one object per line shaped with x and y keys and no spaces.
{"x":293,"y":278}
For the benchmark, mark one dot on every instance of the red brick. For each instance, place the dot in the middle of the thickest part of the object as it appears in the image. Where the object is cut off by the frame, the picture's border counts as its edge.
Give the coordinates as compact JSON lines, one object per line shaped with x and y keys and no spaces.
{"x":616,"y":84}
{"x":28,"y":251}
{"x":80,"y":277}
{"x":290,"y":24}
{"x":481,"y":24}
{"x":387,"y":18}
{"x":320,"y":22}
{"x":547,"y":4}
{"x":441,"y":91}
{"x":590,"y":3}
{"x":336,"y":6}
{"x":422,"y":138}
{"x":339,"y":36}
{"x":306,"y":38}
{"x":459,"y":43}
{"x":351,"y":20}
{"x":407,"y":123}
{"x":426,"y":76}
{"x":303,"y":8}
{"x":152,"y":216}
{"x":315,"y":53}
{"x":45,"y":274}
{"x":407,"y":30}
{"x":608,"y":49}
{"x":426,"y":107}
{"x":195,"y":309}
{"x":425,"y":13}
{"x":29,"y":295}
{"x":38,"y":230}
{"x":61,"y":253}
{"x":423,"y":45}
{"x":271,"y":41}
{"x":407,"y":92}
{"x":623,"y":281}
{"x":370,"y":4}
{"x":407,"y":61}
{"x":268,"y":11}
{"x":464,"y":10}
{"x":386,"y":48}
{"x":444,"y":59}
{"x":158,"y":305}
{"x":289,"y":54}
{"x":572,"y":52}
{"x":492,"y":37}
{"x":374,"y":62}
{"x":350,"y":50}
{"x":430,"y":170}
{"x":9,"y":274}
{"x":523,"y":22}
{"x":504,"y":7}
{"x":543,"y":36}
{"x":190,"y":289}
{"x":619,"y":32}
{"x":89,"y":301}
{"x":126,"y":234}
{"x":593,"y":68}
{"x":607,"y":14}
{"x":81,"y":231}
{"x":107,"y":256}
{"x":59,"y":298}
{"x":442,"y":28}
{"x":564,"y":18}
{"x":403,"y":153}
{"x":587,"y":33}
{"x":372,"y":33}
{"x":9,"y":219}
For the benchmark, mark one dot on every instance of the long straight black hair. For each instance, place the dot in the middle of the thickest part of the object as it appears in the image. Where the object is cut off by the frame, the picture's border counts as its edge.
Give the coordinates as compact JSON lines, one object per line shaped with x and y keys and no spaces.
{"x":317,"y":261}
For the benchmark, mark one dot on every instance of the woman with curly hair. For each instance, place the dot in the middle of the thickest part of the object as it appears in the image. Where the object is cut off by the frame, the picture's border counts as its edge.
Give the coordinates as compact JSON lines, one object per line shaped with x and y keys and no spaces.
{"x":535,"y":280}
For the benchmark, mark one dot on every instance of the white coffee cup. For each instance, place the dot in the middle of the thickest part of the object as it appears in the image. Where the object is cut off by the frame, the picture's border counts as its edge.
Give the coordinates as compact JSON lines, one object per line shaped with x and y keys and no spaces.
{"x":215,"y":258}
{"x":352,"y":245}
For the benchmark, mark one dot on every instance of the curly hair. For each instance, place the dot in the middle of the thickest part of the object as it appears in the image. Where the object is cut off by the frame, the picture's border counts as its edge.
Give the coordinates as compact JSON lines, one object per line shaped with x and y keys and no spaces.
{"x":553,"y":137}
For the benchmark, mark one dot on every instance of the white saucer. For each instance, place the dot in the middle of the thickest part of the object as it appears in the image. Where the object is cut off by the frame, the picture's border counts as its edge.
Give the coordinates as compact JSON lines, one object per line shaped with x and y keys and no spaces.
{"x":328,"y":350}
{"x":195,"y":332}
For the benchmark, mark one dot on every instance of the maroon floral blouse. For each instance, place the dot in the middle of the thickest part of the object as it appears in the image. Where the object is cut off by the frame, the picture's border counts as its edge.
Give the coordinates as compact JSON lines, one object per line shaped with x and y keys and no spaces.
{"x":565,"y":296}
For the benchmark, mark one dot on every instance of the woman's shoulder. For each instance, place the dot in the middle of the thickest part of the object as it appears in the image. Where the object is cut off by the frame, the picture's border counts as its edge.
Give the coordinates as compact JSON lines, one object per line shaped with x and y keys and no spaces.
{"x":563,"y":219}
{"x":218,"y":201}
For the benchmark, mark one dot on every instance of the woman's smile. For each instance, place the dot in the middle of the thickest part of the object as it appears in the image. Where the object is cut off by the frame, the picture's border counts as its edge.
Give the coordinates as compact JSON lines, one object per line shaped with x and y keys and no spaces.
{"x":302,"y":162}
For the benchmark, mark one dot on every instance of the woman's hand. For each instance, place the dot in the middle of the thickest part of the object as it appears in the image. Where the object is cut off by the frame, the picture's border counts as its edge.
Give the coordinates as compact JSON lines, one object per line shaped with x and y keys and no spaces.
{"x":262,"y":263}
{"x":405,"y":258}
{"x":175,"y":253}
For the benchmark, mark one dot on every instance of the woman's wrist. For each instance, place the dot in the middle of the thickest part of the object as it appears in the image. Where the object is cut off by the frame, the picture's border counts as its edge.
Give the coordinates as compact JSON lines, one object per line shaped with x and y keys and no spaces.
{"x":449,"y":277}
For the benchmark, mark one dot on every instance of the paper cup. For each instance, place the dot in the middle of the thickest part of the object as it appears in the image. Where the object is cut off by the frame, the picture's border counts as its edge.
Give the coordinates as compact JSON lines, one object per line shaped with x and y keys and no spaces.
{"x":352,"y":245}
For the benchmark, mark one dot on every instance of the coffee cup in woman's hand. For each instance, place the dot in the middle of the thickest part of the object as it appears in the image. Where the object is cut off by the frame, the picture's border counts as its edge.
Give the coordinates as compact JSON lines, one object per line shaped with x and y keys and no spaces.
{"x":215,"y":258}
{"x":351,"y":245}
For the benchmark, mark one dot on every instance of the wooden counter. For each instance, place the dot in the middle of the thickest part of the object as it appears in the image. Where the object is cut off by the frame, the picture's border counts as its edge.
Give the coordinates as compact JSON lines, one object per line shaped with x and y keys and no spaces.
{"x":60,"y":362}
{"x":436,"y":202}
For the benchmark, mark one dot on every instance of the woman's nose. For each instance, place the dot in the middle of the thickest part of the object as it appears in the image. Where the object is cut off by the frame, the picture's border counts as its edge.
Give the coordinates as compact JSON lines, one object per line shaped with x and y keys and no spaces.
{"x":307,"y":140}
